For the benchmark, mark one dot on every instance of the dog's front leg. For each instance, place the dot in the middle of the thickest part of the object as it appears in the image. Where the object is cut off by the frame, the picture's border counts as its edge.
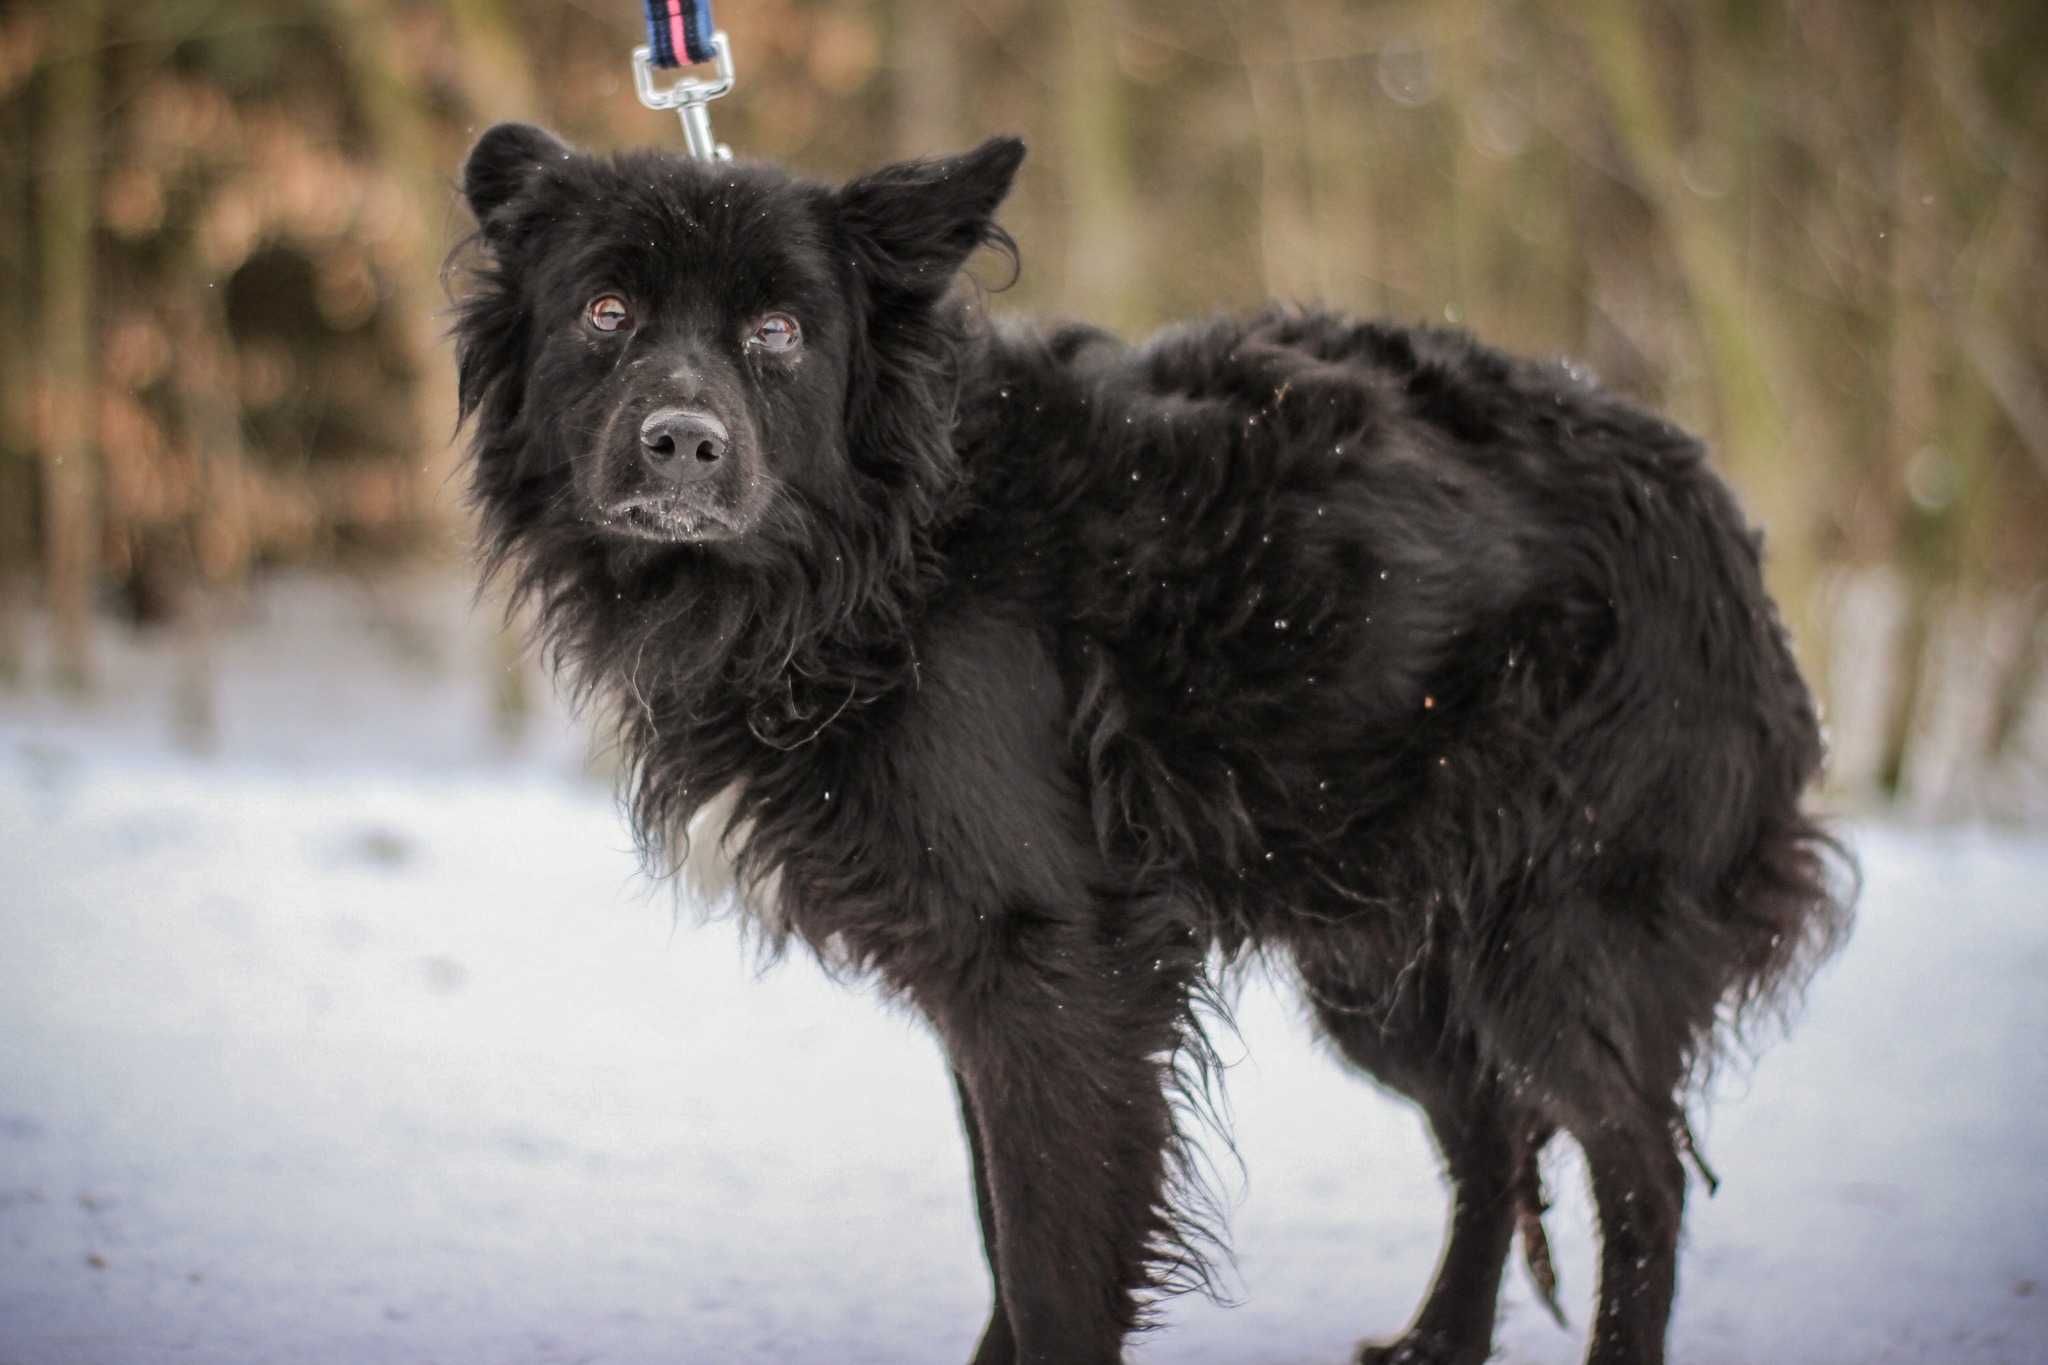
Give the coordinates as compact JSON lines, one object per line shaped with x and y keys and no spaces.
{"x":1060,"y":1049}
{"x":997,"y":1346}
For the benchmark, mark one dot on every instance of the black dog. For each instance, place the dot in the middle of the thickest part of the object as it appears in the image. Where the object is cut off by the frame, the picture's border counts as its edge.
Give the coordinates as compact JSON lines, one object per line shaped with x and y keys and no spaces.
{"x":1038,"y":674}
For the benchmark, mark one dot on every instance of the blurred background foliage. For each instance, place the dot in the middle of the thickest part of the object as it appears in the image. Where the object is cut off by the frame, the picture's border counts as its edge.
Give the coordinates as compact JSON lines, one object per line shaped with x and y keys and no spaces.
{"x":1813,"y":231}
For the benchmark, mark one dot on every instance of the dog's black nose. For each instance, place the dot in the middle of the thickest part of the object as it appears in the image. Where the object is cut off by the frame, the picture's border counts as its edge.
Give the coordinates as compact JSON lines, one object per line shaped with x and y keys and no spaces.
{"x":682,"y":445}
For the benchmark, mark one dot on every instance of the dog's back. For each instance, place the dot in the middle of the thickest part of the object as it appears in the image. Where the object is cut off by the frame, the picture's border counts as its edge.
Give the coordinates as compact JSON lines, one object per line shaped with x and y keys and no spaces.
{"x":1376,"y":609}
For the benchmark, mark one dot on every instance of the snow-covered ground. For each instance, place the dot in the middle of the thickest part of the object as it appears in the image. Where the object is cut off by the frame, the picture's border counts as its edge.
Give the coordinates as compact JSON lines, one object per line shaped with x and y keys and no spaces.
{"x":358,"y":1038}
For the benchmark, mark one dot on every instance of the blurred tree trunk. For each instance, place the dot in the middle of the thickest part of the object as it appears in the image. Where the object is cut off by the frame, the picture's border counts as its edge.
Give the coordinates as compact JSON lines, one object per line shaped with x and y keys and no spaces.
{"x":925,"y":71}
{"x":1913,"y":345}
{"x":17,"y":369}
{"x":1343,"y":155}
{"x":497,"y":82}
{"x":68,"y":163}
{"x":1748,"y":359}
{"x":1102,"y":259}
{"x":1473,"y":207}
{"x":1557,"y":272}
{"x":402,"y":132}
{"x":1977,"y":641}
{"x":1276,"y":78}
{"x":1995,"y":386}
{"x":496,"y":70}
{"x":221,"y":537}
{"x":1948,"y":717}
{"x":1915,"y":265}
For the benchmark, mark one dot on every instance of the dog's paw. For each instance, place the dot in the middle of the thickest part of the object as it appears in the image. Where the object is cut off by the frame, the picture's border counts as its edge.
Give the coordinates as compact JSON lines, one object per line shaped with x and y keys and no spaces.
{"x":1419,"y":1348}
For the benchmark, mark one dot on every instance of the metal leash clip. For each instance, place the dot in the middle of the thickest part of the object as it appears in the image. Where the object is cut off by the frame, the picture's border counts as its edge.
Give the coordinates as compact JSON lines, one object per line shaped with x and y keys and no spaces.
{"x":688,"y":97}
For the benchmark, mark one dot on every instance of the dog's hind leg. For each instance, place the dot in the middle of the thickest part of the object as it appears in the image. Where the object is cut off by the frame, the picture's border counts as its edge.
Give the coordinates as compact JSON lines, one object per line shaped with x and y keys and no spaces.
{"x":1598,"y":1032}
{"x":1639,"y":1189}
{"x":1454,"y":1326}
{"x":1483,"y":1150}
{"x":997,"y":1345}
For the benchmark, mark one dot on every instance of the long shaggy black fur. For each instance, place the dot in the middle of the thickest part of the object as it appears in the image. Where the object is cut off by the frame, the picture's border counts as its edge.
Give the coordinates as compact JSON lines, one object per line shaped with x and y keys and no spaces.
{"x":1037,"y":674}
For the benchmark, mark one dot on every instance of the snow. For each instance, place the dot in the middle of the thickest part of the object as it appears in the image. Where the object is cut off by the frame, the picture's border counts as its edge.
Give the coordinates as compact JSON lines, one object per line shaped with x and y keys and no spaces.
{"x":360,"y":1038}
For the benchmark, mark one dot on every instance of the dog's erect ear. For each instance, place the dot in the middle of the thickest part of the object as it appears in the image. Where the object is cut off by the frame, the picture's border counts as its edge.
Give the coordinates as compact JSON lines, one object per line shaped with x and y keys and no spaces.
{"x":913,"y":224}
{"x":503,"y":162}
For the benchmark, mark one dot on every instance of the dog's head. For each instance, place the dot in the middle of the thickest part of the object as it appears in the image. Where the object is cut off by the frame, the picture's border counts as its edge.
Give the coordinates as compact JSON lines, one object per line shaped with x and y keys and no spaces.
{"x":669,"y":351}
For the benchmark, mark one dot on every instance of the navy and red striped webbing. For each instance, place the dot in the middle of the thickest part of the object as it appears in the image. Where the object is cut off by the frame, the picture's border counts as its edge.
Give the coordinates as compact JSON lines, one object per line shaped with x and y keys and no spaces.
{"x":679,"y":31}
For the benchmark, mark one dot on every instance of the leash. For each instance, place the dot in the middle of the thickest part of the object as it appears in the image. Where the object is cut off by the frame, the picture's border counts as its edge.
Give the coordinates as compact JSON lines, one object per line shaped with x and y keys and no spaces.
{"x":680,"y":33}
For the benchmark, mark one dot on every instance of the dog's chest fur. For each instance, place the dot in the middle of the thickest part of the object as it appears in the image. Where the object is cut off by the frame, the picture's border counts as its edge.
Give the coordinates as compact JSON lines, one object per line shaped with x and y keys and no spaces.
{"x":951,"y":805}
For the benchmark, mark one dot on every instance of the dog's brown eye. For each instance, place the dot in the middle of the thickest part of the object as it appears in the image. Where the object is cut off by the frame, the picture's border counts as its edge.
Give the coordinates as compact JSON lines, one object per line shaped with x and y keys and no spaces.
{"x":776,"y":333}
{"x":607,"y":313}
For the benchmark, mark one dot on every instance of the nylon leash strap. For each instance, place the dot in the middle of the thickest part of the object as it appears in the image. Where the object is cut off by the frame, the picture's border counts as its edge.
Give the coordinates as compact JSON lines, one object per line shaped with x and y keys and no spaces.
{"x":680,"y":33}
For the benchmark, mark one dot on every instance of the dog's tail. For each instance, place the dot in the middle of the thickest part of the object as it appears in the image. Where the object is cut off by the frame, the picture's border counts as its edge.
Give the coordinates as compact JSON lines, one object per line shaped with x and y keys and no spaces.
{"x":1530,"y":1206}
